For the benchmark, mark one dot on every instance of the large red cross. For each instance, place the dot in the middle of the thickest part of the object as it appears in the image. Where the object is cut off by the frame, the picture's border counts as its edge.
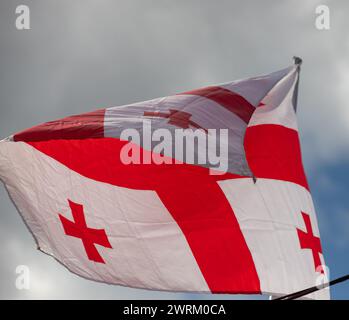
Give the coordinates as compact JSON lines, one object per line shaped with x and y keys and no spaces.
{"x":308,"y":240}
{"x":88,"y":236}
{"x":177,"y":118}
{"x":191,"y":195}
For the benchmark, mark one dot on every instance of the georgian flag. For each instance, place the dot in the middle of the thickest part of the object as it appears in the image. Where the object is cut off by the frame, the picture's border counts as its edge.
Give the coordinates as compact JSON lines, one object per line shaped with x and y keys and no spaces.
{"x":175,"y":227}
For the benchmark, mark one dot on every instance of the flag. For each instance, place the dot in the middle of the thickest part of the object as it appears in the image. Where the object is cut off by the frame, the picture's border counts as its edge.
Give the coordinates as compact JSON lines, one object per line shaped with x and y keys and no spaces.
{"x":202,"y":191}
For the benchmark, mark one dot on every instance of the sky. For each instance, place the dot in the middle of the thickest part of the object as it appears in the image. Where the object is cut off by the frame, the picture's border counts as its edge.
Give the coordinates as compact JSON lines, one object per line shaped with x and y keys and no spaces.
{"x":83,"y":55}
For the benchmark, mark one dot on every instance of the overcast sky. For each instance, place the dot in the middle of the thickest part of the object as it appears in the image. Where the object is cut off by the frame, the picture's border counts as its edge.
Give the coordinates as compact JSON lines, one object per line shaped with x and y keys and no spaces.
{"x":82,"y":55}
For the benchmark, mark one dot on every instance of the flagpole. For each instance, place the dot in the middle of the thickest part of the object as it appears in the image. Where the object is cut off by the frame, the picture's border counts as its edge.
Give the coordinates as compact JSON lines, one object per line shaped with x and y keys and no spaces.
{"x":298,"y":62}
{"x":305,"y":292}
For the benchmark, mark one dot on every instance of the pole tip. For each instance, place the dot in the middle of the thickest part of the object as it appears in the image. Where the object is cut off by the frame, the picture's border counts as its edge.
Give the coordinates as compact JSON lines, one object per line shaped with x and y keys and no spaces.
{"x":297,"y":60}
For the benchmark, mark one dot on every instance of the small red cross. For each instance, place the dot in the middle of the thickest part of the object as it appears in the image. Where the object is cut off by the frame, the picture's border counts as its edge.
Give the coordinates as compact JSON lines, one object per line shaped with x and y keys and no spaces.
{"x":177,"y":118}
{"x":307,"y":240}
{"x":88,"y":236}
